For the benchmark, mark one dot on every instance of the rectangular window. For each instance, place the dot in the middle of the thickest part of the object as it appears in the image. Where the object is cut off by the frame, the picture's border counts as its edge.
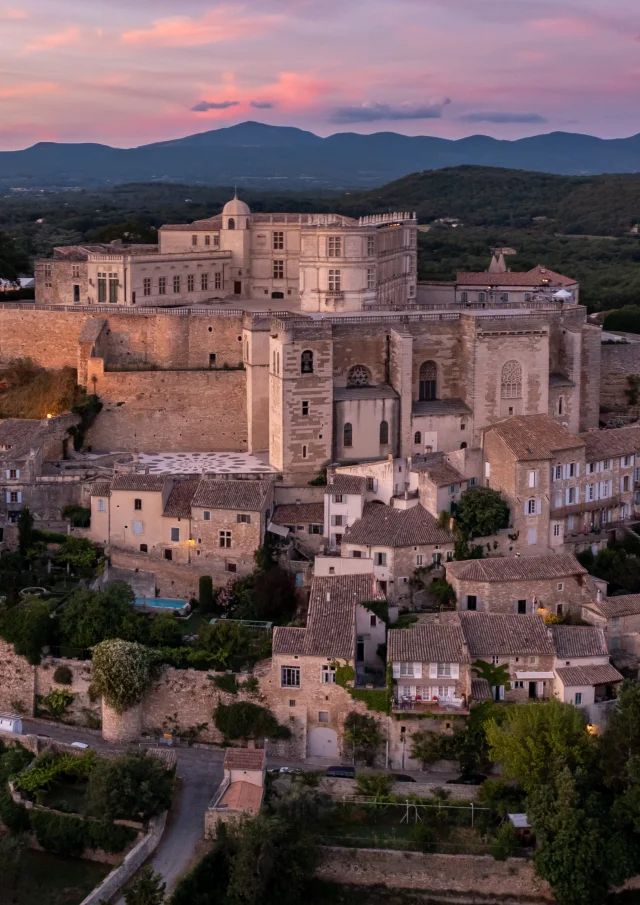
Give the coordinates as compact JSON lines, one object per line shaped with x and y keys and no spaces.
{"x":225,"y":539}
{"x":371,"y":246}
{"x":290,"y":676}
{"x":419,"y":559}
{"x":176,"y":283}
{"x":557,"y":473}
{"x":13,"y":473}
{"x":102,"y":505}
{"x":231,"y":567}
{"x":305,"y":407}
{"x":578,"y":700}
{"x":168,"y":554}
{"x":531,"y":507}
{"x":194,"y":240}
{"x":335,"y":281}
{"x":556,"y":530}
{"x":532,"y":537}
{"x":406,"y":669}
{"x":175,"y":535}
{"x":533,"y":479}
{"x":337,"y":498}
{"x":113,"y":288}
{"x":243,"y":519}
{"x":216,"y":240}
{"x":204,"y":281}
{"x":323,"y":716}
{"x":138,"y":528}
{"x":334,"y":246}
{"x":146,"y":286}
{"x":522,"y":607}
{"x":207,"y":240}
{"x":278,"y":270}
{"x":315,"y":529}
{"x":144,"y":548}
{"x":206,"y":516}
{"x":571,"y":496}
{"x":278,"y":241}
{"x":356,"y":554}
{"x":381,"y":559}
{"x":328,"y":675}
{"x":444,"y":670}
{"x":75,"y":272}
{"x":472,"y":602}
{"x":371,"y":278}
{"x":373,"y":621}
{"x":137,"y":504}
{"x":162,"y":286}
{"x":191,"y":282}
{"x":337,"y":521}
{"x":102,"y":288}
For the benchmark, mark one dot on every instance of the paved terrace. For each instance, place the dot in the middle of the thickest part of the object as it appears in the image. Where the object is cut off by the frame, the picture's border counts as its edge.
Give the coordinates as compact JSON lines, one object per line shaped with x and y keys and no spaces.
{"x":209,"y":462}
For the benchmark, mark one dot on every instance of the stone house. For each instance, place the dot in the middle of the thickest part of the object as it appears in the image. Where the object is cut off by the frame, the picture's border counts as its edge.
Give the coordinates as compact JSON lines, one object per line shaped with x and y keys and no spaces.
{"x":619,"y":618}
{"x":399,"y":541}
{"x":440,"y":484}
{"x":499,"y":286}
{"x":241,"y":791}
{"x":301,"y":687}
{"x":343,"y":504}
{"x":521,"y":585}
{"x":206,"y":522}
{"x":521,"y":643}
{"x":431,"y":667}
{"x":304,"y":523}
{"x":584,"y":675}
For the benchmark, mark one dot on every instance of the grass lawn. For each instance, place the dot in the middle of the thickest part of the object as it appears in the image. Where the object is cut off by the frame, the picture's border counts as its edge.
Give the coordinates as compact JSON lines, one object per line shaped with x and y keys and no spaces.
{"x":191,"y":626}
{"x":68,"y":797}
{"x":46,"y":879}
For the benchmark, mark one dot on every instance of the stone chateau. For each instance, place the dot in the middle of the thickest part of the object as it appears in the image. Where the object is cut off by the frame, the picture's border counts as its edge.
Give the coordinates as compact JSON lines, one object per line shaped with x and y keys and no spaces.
{"x":248,"y":353}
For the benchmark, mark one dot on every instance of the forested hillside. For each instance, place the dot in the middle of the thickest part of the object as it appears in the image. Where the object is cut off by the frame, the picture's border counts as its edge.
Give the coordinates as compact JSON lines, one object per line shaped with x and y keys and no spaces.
{"x":576,"y":225}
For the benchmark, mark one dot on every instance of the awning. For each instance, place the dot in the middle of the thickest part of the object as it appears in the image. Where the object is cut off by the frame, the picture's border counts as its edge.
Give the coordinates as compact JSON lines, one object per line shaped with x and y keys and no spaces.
{"x":534,"y":676}
{"x":280,"y":530}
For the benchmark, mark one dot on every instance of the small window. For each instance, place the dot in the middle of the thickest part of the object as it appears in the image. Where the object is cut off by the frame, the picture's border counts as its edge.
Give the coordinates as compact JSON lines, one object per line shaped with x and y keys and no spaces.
{"x":102,"y":505}
{"x":371,"y":485}
{"x":207,"y":240}
{"x":328,"y":675}
{"x":384,"y":433}
{"x":419,"y":559}
{"x":338,"y":498}
{"x":560,"y":586}
{"x":305,"y":407}
{"x":243,"y":518}
{"x":347,"y":435}
{"x":380,"y":559}
{"x":306,"y":362}
{"x":137,"y":504}
{"x":231,"y":567}
{"x":417,"y":438}
{"x":168,"y":554}
{"x":175,"y":535}
{"x":290,"y":677}
{"x":146,"y":286}
{"x":472,"y":602}
{"x":194,"y":240}
{"x":371,"y":246}
{"x":531,"y":507}
{"x":232,"y":223}
{"x":176,"y":283}
{"x":522,"y":607}
{"x":212,"y":359}
{"x":278,"y":269}
{"x":304,"y":452}
{"x":495,"y":660}
{"x":162,"y":286}
{"x":225,"y":539}
{"x":334,"y":246}
{"x":278,"y":241}
{"x":191,"y":282}
{"x":323,"y":716}
{"x":144,"y":548}
{"x":373,"y":621}
{"x":137,"y":528}
{"x":578,"y":699}
{"x":206,"y":516}
{"x":464,"y":297}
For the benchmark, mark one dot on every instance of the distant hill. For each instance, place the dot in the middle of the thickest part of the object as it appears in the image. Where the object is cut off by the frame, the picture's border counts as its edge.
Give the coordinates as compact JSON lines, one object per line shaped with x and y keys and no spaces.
{"x":282,"y":157}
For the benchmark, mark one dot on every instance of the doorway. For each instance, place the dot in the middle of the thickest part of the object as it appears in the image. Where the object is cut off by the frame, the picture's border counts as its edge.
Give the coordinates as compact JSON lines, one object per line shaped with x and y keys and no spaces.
{"x":533,"y":690}
{"x":237,"y":287}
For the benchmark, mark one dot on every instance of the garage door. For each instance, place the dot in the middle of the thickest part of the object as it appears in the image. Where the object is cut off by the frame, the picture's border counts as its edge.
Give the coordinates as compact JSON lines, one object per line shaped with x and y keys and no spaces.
{"x":323,"y":743}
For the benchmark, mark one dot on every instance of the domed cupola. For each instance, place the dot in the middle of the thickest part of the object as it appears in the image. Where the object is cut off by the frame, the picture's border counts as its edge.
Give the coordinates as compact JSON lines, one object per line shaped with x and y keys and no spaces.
{"x":236,"y":214}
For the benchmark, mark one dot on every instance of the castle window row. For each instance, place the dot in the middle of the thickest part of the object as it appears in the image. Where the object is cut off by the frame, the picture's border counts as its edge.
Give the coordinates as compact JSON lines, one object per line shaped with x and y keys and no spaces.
{"x":207,"y":241}
{"x":177,"y":284}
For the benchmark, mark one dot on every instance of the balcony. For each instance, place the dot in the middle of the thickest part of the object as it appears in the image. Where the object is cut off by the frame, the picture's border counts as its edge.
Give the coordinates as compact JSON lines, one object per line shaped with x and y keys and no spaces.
{"x":434,"y":707}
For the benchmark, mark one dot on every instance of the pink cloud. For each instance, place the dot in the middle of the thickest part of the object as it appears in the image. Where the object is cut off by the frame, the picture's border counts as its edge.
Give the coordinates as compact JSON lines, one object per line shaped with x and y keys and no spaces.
{"x":292,"y":91}
{"x":29,"y":90}
{"x":221,"y":24}
{"x":10,"y":12}
{"x":565,"y":26}
{"x":70,"y":35}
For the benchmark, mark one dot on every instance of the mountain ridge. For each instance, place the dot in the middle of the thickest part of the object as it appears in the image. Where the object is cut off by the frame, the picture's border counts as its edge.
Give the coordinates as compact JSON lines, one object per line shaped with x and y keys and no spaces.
{"x":253,"y":153}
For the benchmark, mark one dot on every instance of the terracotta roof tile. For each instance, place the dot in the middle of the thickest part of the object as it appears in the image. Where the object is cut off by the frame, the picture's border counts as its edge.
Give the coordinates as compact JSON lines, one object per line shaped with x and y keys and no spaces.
{"x":100,"y":489}
{"x":495,"y":634}
{"x":621,"y":441}
{"x":345,"y":483}
{"x":578,"y":641}
{"x":384,"y":526}
{"x":140,"y":482}
{"x":242,"y":796}
{"x":451,"y":406}
{"x":532,"y":437}
{"x":244,"y":758}
{"x":588,"y":675}
{"x":480,"y":690}
{"x":180,"y":499}
{"x":537,"y":277}
{"x":240,"y":495}
{"x":622,"y":605}
{"x":299,"y":514}
{"x":516,"y":568}
{"x":427,"y":643}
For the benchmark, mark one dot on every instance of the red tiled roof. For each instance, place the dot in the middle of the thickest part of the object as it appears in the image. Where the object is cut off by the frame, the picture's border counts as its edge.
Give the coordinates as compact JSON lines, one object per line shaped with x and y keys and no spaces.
{"x":578,"y":641}
{"x":384,"y":526}
{"x":533,"y":437}
{"x":496,"y":634}
{"x":241,"y":495}
{"x":538,"y":276}
{"x":180,"y":498}
{"x":140,"y":482}
{"x":244,"y":758}
{"x":299,"y":514}
{"x":516,"y":568}
{"x":588,"y":675}
{"x":427,"y":642}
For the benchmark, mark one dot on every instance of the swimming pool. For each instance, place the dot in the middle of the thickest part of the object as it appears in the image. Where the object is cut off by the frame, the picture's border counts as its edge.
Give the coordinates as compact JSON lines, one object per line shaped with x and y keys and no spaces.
{"x":161,"y":603}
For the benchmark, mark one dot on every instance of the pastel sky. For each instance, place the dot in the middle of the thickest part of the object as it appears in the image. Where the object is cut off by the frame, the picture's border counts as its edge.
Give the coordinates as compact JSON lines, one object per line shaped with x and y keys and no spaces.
{"x":127,"y":72}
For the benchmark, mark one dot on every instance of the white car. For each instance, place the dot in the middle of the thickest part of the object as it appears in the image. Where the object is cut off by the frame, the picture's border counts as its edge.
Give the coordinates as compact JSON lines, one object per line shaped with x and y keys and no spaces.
{"x":79,"y":745}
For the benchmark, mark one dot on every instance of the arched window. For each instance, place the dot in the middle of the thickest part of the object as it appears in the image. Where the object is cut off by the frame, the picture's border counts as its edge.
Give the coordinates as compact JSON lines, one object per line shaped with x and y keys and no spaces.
{"x":347,"y":439}
{"x":428,"y":381}
{"x":464,"y":297}
{"x":504,"y":297}
{"x":463,"y":446}
{"x":417,"y":438}
{"x":232,"y":223}
{"x":358,"y":376}
{"x":511,"y":380}
{"x":306,"y":362}
{"x":384,"y":433}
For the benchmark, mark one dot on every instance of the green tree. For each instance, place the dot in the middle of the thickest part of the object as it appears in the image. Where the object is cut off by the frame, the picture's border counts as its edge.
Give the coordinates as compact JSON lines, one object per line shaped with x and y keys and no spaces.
{"x":482,"y":512}
{"x":132,"y":787}
{"x":205,"y":594}
{"x":362,"y":736}
{"x":57,"y":702}
{"x":79,"y":553}
{"x":495,"y":675}
{"x":274,"y":595}
{"x":374,"y":785}
{"x":165,"y":631}
{"x":429,"y":747}
{"x":244,"y":720}
{"x":122,"y":671}
{"x":90,"y":617}
{"x":28,"y":626}
{"x":535,"y":740}
{"x":148,"y":888}
{"x":26,"y":538}
{"x":443,"y":592}
{"x":620,"y":743}
{"x":505,"y":842}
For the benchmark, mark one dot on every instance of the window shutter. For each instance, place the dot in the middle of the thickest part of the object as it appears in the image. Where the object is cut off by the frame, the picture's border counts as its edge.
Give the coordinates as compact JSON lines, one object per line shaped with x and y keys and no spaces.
{"x":417,"y":670}
{"x":396,"y":670}
{"x":577,"y":469}
{"x":538,"y":507}
{"x":433,"y":670}
{"x":8,"y":474}
{"x":455,"y":670}
{"x":610,"y":487}
{"x":577,"y":494}
{"x":501,"y":692}
{"x":526,"y":507}
{"x":8,"y":497}
{"x":566,"y":497}
{"x":19,"y":496}
{"x":565,"y":471}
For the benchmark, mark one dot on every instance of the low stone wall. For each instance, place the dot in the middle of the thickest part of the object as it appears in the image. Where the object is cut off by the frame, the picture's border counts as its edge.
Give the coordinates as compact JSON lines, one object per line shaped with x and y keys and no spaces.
{"x":473,"y":875}
{"x":17,"y":682}
{"x":338,"y":788}
{"x":82,"y":711}
{"x":114,"y":881}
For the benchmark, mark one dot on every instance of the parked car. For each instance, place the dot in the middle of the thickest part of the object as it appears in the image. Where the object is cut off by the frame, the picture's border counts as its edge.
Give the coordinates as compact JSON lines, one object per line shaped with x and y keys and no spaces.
{"x":285,"y":770}
{"x":402,"y":777}
{"x":341,"y":772}
{"x":468,"y":779}
{"x":79,"y":745}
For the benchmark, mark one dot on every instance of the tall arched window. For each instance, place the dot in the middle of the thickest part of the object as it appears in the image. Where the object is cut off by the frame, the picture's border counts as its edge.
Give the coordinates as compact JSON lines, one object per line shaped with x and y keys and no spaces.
{"x":306,"y":362}
{"x":464,"y":297}
{"x":384,"y":433}
{"x":347,"y":439}
{"x":428,"y":381}
{"x":417,"y":438}
{"x":511,"y":381}
{"x":482,"y":297}
{"x":358,"y":376}
{"x":232,"y":223}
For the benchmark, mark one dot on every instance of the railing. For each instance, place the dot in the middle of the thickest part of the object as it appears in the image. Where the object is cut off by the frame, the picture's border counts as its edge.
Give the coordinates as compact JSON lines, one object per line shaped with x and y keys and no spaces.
{"x":129,"y":309}
{"x":439,"y":705}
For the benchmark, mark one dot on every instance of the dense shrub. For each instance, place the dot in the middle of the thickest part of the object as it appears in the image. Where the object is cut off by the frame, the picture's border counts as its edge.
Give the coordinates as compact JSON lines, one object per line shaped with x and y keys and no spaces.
{"x":122,"y":671}
{"x":244,"y":720}
{"x":69,"y":836}
{"x":133,"y":787}
{"x":28,"y":626}
{"x":63,"y":675}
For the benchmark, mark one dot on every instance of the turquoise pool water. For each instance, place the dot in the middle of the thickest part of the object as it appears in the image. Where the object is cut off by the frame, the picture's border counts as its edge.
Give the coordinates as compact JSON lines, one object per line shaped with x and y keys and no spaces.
{"x":161,"y":603}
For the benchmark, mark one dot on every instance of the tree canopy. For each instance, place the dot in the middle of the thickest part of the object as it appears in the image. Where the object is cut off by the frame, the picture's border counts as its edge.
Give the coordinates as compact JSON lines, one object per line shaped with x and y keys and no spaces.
{"x":481,"y":512}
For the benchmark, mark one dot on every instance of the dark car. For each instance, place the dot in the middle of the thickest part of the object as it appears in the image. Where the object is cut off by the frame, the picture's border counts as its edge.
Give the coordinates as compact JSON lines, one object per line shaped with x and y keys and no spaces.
{"x":468,"y":779}
{"x":341,"y":772}
{"x":402,"y":777}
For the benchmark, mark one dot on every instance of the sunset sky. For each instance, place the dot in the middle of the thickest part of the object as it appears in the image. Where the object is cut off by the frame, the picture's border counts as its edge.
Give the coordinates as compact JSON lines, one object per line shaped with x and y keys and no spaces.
{"x":125,"y":73}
